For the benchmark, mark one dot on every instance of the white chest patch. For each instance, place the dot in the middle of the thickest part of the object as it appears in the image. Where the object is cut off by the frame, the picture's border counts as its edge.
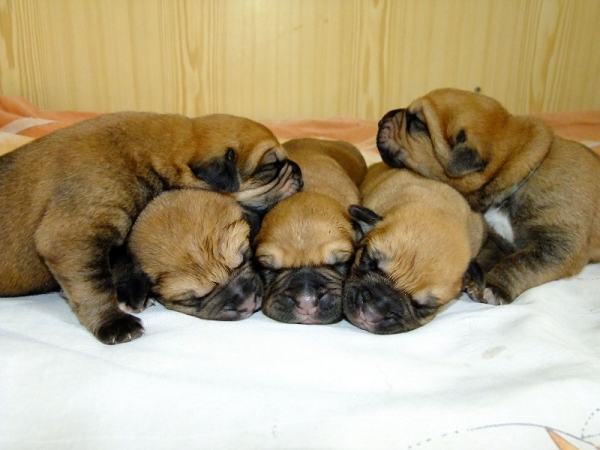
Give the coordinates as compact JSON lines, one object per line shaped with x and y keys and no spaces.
{"x":500,"y":222}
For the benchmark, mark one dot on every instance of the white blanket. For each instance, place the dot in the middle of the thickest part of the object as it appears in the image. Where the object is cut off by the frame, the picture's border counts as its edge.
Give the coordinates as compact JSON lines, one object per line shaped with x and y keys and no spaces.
{"x":522,"y":376}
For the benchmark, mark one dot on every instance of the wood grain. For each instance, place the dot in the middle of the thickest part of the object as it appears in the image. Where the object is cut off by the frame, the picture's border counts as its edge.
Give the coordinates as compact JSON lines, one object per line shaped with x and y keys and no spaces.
{"x":282,"y":59}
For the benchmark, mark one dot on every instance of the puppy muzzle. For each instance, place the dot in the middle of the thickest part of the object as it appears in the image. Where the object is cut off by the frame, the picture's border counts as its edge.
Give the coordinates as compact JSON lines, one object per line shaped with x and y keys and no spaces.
{"x":372,"y":304}
{"x":309,"y":295}
{"x":236,"y":300}
{"x":389,"y":149}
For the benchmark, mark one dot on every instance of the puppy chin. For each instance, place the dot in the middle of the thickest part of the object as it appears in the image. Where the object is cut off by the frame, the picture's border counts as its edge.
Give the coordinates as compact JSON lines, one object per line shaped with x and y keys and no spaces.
{"x":306,"y":296}
{"x":372,"y":304}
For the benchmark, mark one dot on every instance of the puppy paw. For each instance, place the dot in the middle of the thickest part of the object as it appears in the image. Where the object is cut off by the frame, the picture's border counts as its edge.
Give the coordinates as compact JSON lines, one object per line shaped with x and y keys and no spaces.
{"x":135,"y":308}
{"x":487,"y":296}
{"x":490,"y":298}
{"x":120,"y":329}
{"x":473,"y":292}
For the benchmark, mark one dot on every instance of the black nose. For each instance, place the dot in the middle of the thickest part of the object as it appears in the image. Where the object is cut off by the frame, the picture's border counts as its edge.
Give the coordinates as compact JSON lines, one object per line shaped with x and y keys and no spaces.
{"x":241,"y":287}
{"x":295,"y":168}
{"x":390,"y":114}
{"x":296,"y":172}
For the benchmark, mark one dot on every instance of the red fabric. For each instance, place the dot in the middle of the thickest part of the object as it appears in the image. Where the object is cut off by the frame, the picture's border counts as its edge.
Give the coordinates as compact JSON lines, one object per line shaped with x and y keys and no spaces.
{"x":581,"y":126}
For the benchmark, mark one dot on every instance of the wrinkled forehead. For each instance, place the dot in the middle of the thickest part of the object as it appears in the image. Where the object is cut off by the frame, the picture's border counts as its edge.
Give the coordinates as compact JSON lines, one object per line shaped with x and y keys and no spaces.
{"x":449,"y":103}
{"x":251,"y":139}
{"x":261,"y":152}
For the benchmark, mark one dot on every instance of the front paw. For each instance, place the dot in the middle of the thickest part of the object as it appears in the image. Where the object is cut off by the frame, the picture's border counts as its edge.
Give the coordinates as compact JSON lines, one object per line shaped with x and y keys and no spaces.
{"x":123,"y":328}
{"x":488,"y":295}
{"x":474,"y":282}
{"x":493,"y":298}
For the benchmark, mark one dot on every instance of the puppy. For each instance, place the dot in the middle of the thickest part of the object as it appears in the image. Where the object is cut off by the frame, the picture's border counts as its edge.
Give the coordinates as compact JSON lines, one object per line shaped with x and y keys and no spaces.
{"x":69,"y":199}
{"x":420,"y":237}
{"x":190,"y":249}
{"x":542,"y":188}
{"x":306,"y":242}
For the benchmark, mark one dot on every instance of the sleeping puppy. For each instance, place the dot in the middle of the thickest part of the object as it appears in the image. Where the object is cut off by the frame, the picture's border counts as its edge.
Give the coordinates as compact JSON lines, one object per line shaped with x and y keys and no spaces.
{"x":69,"y":199}
{"x":420,"y":237}
{"x":190,"y":249}
{"x":542,"y":189}
{"x":306,"y":242}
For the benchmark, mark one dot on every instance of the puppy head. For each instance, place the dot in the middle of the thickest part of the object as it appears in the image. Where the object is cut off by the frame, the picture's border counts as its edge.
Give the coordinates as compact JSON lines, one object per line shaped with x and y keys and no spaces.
{"x":304,"y":249}
{"x":458,"y":137}
{"x":408,"y":265}
{"x":236,"y":154}
{"x":194,"y":246}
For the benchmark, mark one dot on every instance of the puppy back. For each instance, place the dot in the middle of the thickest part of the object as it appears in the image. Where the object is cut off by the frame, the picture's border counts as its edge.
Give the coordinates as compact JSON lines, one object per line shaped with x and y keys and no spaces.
{"x":346,"y":154}
{"x":321,"y":172}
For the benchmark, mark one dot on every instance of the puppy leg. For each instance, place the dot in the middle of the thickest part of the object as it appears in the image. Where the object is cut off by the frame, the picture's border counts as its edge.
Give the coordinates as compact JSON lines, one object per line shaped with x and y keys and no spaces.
{"x":547,"y":259}
{"x":76,"y":247}
{"x":474,"y":282}
{"x":132,"y":284}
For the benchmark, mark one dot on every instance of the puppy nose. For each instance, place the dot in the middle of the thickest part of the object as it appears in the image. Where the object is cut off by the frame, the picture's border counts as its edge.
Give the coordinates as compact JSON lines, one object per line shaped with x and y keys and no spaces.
{"x":362,"y":297}
{"x":307,"y":304}
{"x":244,"y":288}
{"x":296,"y":173}
{"x":247,"y":306}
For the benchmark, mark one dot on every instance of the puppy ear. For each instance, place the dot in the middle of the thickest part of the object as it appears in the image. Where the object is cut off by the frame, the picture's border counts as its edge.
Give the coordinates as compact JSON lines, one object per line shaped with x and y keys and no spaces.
{"x":463,"y":158}
{"x":363,"y":220}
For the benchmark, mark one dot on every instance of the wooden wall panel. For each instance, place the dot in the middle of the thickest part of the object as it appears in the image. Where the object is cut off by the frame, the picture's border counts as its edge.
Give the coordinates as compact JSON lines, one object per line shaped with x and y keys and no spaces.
{"x":280,"y":59}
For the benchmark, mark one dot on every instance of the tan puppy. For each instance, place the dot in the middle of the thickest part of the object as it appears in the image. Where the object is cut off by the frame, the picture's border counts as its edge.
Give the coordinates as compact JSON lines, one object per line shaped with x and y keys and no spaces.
{"x":420,"y":238}
{"x":69,"y":199}
{"x":193,"y":248}
{"x":307,"y":241}
{"x":543,"y":189}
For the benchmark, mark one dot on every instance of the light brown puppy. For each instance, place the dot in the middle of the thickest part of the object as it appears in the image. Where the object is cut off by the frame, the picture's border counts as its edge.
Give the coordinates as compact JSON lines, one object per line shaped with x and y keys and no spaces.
{"x":193,"y":247}
{"x":539,"y":191}
{"x":69,"y":199}
{"x":307,"y":241}
{"x":420,"y":237}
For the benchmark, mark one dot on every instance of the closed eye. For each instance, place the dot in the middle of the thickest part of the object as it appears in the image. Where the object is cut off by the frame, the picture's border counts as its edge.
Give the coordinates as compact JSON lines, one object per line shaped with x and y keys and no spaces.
{"x":230,"y":155}
{"x":414,"y":124}
{"x":192,"y":299}
{"x":425,"y":308}
{"x":246,"y":254}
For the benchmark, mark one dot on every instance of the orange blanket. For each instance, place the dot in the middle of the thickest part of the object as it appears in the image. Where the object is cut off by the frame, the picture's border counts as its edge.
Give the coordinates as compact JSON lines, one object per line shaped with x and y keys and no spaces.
{"x":21,"y":121}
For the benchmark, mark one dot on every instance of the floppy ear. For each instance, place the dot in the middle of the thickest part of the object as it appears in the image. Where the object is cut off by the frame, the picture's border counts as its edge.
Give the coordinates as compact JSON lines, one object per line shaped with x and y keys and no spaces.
{"x":363,"y":220}
{"x":463,"y":159}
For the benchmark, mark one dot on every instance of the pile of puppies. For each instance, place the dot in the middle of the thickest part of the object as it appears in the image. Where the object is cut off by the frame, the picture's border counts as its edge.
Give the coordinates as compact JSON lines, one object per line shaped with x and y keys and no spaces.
{"x":213,"y":217}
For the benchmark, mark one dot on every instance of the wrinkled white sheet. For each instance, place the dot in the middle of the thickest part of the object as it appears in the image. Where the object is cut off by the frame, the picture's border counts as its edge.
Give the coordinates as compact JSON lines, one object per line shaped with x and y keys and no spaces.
{"x":522,"y":376}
